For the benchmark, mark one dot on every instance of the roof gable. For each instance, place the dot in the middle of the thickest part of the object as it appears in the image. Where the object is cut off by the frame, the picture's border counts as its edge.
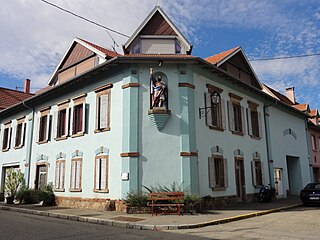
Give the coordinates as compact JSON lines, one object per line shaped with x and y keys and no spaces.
{"x":80,"y":49}
{"x":237,"y":60}
{"x":157,"y":23}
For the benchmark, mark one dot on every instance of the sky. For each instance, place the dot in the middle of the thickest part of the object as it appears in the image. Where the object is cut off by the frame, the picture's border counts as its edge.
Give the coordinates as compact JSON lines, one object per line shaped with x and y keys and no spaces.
{"x":35,"y":36}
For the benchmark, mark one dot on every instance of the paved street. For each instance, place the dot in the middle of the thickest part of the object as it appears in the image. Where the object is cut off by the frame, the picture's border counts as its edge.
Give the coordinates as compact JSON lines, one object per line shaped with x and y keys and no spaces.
{"x":298,"y":223}
{"x":15,"y":226}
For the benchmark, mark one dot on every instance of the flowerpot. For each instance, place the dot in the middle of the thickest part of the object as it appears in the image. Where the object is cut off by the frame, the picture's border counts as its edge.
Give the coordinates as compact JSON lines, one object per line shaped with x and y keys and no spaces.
{"x":9,"y":200}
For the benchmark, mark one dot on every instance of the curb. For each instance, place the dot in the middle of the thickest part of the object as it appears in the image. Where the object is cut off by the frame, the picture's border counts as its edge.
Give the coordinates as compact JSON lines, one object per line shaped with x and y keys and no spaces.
{"x":138,"y":226}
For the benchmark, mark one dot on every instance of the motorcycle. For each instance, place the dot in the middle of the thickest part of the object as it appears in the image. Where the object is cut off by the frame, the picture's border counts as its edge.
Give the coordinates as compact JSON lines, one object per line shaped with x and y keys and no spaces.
{"x":266,"y":194}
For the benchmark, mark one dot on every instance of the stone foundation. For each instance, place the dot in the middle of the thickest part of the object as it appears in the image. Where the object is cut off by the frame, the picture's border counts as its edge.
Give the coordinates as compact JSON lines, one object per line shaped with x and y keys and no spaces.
{"x":91,"y":203}
{"x":209,"y":202}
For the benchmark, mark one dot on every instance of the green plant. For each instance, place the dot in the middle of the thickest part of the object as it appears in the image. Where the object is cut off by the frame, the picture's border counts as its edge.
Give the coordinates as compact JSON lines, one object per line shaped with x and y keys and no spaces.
{"x":25,"y":195}
{"x":47,"y":195}
{"x":13,"y":180}
{"x":136,"y":199}
{"x":175,"y":187}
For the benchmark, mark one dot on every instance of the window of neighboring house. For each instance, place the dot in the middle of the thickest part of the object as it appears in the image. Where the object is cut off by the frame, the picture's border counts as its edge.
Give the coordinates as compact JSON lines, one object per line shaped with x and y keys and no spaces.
{"x":60,"y":174}
{"x":257,"y":172}
{"x":217,"y":172}
{"x":215,"y":114}
{"x":78,"y":116}
{"x":236,"y":115}
{"x":62,"y":121}
{"x":103,"y":108}
{"x":314,"y":143}
{"x":20,"y":133}
{"x":253,"y":117}
{"x":44,"y":126}
{"x":76,"y":174}
{"x":6,"y":139}
{"x":101,"y":173}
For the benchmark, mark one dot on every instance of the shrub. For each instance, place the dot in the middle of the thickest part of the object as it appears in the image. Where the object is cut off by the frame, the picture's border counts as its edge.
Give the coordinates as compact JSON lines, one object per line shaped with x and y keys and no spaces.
{"x":13,"y":180}
{"x":136,"y":200}
{"x":25,"y":195}
{"x":47,"y":196}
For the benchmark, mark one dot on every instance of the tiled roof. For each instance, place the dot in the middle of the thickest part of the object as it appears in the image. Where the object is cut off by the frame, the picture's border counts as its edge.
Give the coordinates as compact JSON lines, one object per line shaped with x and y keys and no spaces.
{"x":43,"y":89}
{"x":301,"y":107}
{"x":220,"y":56}
{"x":9,"y":97}
{"x":281,"y":97}
{"x":159,"y":56}
{"x":108,"y":52}
{"x":313,"y":113}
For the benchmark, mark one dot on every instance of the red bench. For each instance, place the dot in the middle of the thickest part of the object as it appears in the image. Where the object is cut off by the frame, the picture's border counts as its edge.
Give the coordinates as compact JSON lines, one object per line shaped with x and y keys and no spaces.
{"x":165,"y":202}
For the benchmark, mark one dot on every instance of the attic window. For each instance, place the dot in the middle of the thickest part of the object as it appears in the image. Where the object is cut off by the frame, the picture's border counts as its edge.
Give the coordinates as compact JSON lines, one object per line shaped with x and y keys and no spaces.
{"x":178,"y":47}
{"x":136,"y":47}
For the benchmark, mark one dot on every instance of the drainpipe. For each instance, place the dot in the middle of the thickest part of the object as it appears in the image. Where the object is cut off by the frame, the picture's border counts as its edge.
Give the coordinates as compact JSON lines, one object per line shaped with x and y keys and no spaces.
{"x":268,"y":145}
{"x":309,"y":153}
{"x":29,"y":144}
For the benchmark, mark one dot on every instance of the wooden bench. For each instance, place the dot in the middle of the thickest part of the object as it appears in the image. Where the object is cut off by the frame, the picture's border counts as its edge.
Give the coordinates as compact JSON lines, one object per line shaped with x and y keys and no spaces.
{"x":165,"y":202}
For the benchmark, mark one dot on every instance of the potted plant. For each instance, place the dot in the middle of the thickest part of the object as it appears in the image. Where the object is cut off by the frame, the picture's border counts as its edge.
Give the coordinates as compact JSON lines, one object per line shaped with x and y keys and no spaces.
{"x":13,"y":180}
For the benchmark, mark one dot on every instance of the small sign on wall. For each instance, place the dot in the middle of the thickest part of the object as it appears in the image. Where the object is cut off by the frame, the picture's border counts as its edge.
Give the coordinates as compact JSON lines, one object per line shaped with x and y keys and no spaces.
{"x":125,"y":176}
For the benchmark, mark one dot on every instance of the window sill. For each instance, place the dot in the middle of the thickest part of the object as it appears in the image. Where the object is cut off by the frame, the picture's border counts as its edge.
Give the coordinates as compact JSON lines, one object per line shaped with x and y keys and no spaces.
{"x":18,"y":147}
{"x":101,"y":191}
{"x":315,"y":150}
{"x":102,"y":130}
{"x":75,"y":190}
{"x":61,"y":138}
{"x":77,"y":135}
{"x":216,"y":128}
{"x":5,"y":150}
{"x":216,"y":189}
{"x":59,"y":190}
{"x":237,"y":133}
{"x":254,"y":137}
{"x":42,"y":142}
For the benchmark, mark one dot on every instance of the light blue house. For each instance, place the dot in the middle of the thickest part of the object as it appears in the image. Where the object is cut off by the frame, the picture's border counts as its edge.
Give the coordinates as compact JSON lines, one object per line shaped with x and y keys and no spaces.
{"x":109,"y":124}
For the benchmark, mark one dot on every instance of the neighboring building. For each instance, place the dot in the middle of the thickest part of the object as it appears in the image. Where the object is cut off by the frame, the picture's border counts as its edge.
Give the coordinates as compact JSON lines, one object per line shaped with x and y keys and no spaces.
{"x":110,"y":124}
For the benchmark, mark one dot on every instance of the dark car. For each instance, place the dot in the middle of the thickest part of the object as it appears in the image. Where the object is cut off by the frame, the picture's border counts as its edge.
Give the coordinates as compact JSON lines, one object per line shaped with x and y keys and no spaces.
{"x":310,"y":194}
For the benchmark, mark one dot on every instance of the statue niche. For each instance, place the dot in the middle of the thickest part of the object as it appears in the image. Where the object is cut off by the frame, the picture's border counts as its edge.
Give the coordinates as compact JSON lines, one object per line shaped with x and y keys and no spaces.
{"x":158,"y":91}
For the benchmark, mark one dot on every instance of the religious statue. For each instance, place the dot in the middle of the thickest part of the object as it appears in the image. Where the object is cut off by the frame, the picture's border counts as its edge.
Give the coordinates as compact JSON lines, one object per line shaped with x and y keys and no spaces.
{"x":158,"y":91}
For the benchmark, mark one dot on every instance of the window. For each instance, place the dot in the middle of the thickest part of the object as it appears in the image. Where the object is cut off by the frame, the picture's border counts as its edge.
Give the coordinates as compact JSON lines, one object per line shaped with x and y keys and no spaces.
{"x":215,"y":115}
{"x":101,"y":174}
{"x":76,"y":171}
{"x":103,"y":108}
{"x":314,"y":143}
{"x":254,"y":120}
{"x":61,"y":119}
{"x":20,"y":133}
{"x":44,"y":126}
{"x":60,"y":173}
{"x":257,"y":171}
{"x":6,"y":139}
{"x":236,"y":115}
{"x":78,"y":116}
{"x":218,"y":172}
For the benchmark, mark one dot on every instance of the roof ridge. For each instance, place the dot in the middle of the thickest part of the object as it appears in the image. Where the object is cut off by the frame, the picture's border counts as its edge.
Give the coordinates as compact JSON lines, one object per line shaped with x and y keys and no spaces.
{"x":219,"y":56}
{"x":14,"y":90}
{"x":99,"y":47}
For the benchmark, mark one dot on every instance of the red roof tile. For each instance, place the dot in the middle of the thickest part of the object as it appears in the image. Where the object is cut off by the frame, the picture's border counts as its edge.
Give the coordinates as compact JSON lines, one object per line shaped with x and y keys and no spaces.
{"x":9,"y":97}
{"x":313,"y":113}
{"x":280,"y":96}
{"x":108,"y":52}
{"x":220,"y":56}
{"x":301,"y":107}
{"x":43,"y":89}
{"x":159,"y":55}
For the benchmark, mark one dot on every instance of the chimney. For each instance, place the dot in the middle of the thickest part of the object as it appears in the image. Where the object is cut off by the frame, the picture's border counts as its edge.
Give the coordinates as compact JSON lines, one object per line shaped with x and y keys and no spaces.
{"x":27,"y":85}
{"x":290,"y":94}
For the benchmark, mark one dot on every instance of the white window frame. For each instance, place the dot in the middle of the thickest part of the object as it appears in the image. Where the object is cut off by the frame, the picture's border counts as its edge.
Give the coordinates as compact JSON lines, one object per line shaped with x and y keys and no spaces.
{"x":76,"y":175}
{"x":212,"y":173}
{"x":60,"y":175}
{"x":8,"y":145}
{"x":101,"y":174}
{"x":254,"y":175}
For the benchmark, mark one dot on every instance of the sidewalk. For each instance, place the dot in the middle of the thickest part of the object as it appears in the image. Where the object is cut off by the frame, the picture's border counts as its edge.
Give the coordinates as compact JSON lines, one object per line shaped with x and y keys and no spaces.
{"x":159,"y":222}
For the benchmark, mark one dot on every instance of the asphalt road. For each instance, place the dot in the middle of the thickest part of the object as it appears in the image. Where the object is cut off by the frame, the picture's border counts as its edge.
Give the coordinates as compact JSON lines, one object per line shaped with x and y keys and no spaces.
{"x":14,"y":226}
{"x":298,"y":223}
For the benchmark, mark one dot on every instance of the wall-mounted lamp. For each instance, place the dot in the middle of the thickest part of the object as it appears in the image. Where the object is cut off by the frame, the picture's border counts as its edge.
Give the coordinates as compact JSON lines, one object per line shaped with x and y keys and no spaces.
{"x":160,"y":63}
{"x":215,"y":99}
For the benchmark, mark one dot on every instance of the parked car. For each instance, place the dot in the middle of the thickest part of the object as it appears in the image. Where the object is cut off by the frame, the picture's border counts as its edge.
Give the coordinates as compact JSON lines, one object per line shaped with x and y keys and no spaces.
{"x":310,"y":194}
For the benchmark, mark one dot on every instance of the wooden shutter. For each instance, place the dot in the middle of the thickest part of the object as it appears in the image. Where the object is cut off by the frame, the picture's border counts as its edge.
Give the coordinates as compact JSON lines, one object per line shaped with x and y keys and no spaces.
{"x":37,"y":128}
{"x":72,"y":117}
{"x":9,"y":138}
{"x":253,"y":170}
{"x":67,"y":122}
{"x":223,"y":113}
{"x":97,"y":174}
{"x":225,"y":168}
{"x":14,"y":134}
{"x":208,"y":116}
{"x":104,"y":110}
{"x":103,"y":176}
{"x":211,"y":169}
{"x":262,"y":172}
{"x":78,"y":175}
{"x":243,"y":120}
{"x":56,"y":124}
{"x":84,"y":112}
{"x":230,"y":116}
{"x":61,"y":180}
{"x":249,"y":120}
{"x":23,"y":133}
{"x":73,"y":175}
{"x":48,"y":128}
{"x":259,"y":124}
{"x":57,"y":185}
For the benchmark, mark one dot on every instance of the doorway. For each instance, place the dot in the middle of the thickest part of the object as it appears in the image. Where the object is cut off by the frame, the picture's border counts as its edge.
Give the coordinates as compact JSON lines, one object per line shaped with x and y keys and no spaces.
{"x":278,"y":182}
{"x":240,"y":179}
{"x":294,"y":175}
{"x":41,"y":176}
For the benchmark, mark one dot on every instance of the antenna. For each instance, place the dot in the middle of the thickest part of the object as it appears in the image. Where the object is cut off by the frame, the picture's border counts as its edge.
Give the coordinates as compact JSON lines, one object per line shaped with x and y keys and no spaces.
{"x":114,"y":42}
